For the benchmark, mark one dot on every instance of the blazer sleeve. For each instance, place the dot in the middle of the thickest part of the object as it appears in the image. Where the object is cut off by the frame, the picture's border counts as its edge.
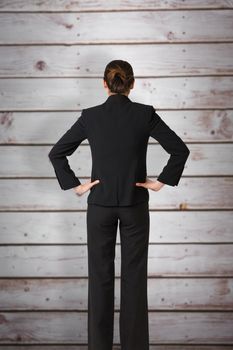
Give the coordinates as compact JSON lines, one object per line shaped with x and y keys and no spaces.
{"x":64,"y":147}
{"x":172,"y":144}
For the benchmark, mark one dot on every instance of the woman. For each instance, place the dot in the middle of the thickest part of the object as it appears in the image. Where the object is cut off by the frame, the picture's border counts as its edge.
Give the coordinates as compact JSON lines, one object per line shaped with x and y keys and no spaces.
{"x":118,"y":131}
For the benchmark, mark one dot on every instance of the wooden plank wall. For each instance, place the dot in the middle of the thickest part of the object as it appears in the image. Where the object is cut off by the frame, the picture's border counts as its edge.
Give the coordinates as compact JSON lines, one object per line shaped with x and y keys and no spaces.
{"x":52,"y":56}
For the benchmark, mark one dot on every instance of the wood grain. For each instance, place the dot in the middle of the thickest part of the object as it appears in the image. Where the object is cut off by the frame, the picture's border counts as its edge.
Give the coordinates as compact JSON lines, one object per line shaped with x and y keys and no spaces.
{"x":115,"y":347}
{"x":71,"y":261}
{"x":70,"y":327}
{"x":196,"y":193}
{"x":70,"y":227}
{"x":157,"y":60}
{"x":155,"y":27}
{"x":46,"y":127}
{"x":51,"y":67}
{"x":110,"y":5}
{"x":173,"y":294}
{"x":204,"y":160}
{"x":64,"y":94}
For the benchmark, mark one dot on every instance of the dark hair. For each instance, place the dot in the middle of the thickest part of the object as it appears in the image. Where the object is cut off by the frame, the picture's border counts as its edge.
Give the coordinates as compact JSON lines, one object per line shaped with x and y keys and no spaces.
{"x":119,"y":76}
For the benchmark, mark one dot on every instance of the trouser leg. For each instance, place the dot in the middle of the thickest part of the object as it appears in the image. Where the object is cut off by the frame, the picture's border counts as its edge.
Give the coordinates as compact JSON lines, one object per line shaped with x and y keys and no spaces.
{"x":134,"y":234}
{"x":101,"y":238}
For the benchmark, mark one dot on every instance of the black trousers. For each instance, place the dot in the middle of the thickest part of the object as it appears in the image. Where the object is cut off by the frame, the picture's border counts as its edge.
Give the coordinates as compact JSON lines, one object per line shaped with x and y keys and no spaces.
{"x":102,"y":224}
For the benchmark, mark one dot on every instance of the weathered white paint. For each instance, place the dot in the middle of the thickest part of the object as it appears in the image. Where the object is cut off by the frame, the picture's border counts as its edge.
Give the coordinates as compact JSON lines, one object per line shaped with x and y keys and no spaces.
{"x":88,"y":60}
{"x":205,"y":159}
{"x":70,"y":227}
{"x":45,"y":194}
{"x":182,"y":59}
{"x":71,"y":327}
{"x":71,"y":294}
{"x":46,"y":127}
{"x":71,"y":261}
{"x":110,"y":5}
{"x":74,"y":94}
{"x":155,"y":27}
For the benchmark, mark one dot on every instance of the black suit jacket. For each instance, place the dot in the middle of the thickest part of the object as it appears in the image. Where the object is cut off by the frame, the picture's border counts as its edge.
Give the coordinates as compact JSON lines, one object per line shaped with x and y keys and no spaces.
{"x":118,"y":131}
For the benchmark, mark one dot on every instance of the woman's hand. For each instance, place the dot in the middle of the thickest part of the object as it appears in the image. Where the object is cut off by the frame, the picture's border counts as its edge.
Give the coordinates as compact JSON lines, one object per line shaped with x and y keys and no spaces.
{"x":151,"y":185}
{"x":81,"y":189}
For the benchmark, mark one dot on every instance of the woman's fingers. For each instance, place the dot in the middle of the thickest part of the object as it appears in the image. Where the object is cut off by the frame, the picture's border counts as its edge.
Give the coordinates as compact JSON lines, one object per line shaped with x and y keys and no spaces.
{"x":145,"y":184}
{"x":86,"y":187}
{"x":95,"y":182}
{"x":140,"y":184}
{"x":90,"y":184}
{"x":151,"y":185}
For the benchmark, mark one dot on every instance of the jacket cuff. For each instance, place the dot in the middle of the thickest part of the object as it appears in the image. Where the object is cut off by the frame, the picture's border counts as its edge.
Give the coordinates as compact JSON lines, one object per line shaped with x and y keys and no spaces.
{"x":167,"y":181}
{"x":66,"y":185}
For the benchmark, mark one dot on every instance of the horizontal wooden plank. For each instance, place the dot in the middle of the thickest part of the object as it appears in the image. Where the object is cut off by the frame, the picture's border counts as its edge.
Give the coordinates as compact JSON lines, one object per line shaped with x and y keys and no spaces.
{"x":115,"y":347}
{"x":191,"y":125}
{"x":110,"y":5}
{"x":163,"y":294}
{"x":77,"y":61}
{"x":74,"y":94}
{"x":46,"y":194}
{"x":155,"y":26}
{"x":71,"y":261}
{"x":164,"y":327}
{"x":165,"y":227}
{"x":204,"y":160}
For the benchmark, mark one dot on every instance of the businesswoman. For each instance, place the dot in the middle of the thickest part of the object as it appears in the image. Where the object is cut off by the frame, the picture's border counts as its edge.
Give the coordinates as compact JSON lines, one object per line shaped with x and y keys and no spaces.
{"x":118,"y":131}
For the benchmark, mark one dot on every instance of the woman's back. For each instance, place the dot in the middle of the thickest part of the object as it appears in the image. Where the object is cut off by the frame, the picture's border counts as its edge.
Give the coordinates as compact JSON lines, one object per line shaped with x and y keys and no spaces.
{"x":118,"y":132}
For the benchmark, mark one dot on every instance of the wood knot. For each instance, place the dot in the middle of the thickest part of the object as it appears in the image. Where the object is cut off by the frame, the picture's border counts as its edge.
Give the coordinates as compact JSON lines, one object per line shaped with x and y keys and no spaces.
{"x":18,"y":337}
{"x":6,"y":118}
{"x":3,"y":319}
{"x":69,"y":26}
{"x":183,"y":206}
{"x":40,"y":65}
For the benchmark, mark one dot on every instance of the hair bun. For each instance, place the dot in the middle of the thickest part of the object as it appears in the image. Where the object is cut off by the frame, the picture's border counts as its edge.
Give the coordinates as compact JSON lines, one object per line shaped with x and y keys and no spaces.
{"x":119,"y":76}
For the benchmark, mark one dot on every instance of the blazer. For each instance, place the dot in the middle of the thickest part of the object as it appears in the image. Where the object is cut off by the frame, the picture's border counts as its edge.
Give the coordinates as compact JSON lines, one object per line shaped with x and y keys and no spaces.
{"x":118,"y":131}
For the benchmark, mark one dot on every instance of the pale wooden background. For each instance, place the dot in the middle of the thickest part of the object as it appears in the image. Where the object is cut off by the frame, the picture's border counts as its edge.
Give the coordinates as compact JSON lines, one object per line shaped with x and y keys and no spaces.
{"x":52,"y":57}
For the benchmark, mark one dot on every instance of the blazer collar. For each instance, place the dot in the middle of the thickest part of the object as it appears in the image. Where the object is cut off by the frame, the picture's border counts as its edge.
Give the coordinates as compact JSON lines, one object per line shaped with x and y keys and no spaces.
{"x":117,"y":98}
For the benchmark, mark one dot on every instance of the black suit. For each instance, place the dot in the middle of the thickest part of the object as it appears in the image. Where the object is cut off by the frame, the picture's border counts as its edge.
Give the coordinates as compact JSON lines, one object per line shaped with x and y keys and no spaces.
{"x":118,"y":131}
